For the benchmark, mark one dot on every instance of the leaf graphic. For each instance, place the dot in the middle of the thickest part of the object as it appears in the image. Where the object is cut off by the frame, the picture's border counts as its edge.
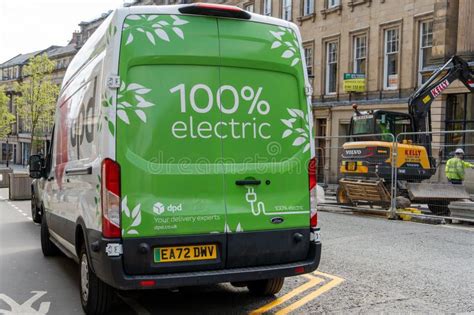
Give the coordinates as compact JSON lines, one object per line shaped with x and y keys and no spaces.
{"x":301,"y":130}
{"x":142,"y":91}
{"x":299,"y":112}
{"x":132,"y":232}
{"x":292,"y":49}
{"x":162,"y":34}
{"x":287,"y":123}
{"x":138,"y":220}
{"x":150,"y":37}
{"x":292,"y":120}
{"x":282,"y":28}
{"x":129,"y":39}
{"x":299,"y":141}
{"x":289,"y":44}
{"x":239,"y":228}
{"x":142,"y":103}
{"x":156,"y":25}
{"x":276,"y":44}
{"x":134,"y":86}
{"x":164,"y":23}
{"x":111,"y":128}
{"x":291,"y":112}
{"x":178,"y":21}
{"x":140,"y":30}
{"x":287,"y":133}
{"x":178,"y":32}
{"x":126,"y":104}
{"x":141,"y":114}
{"x":306,"y":147}
{"x":277,"y":35}
{"x":123,"y":115}
{"x":227,"y":229}
{"x":125,"y":26}
{"x":152,"y":17}
{"x":288,"y":54}
{"x":122,"y":86}
{"x":125,"y":207}
{"x":133,"y":17}
{"x":136,"y":210}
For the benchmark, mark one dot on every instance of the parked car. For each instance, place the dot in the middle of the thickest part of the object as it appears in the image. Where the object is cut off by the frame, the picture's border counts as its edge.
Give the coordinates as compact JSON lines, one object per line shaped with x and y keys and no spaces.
{"x":182,"y":154}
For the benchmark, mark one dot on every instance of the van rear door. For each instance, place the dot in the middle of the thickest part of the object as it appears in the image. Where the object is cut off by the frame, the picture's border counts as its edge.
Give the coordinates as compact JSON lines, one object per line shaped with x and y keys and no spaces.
{"x":173,"y":210}
{"x":266,"y":147}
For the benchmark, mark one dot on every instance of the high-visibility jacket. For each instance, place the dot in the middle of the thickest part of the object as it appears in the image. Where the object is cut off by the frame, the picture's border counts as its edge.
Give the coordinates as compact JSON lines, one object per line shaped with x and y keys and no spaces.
{"x":455,"y":168}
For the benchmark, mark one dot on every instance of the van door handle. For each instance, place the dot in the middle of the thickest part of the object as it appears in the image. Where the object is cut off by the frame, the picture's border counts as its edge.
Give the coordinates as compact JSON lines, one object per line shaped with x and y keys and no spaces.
{"x":79,"y":171}
{"x":243,"y":182}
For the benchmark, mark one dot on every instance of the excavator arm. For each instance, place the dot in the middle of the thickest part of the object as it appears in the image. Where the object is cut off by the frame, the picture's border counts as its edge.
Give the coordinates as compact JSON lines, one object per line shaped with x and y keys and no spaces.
{"x":419,"y":103}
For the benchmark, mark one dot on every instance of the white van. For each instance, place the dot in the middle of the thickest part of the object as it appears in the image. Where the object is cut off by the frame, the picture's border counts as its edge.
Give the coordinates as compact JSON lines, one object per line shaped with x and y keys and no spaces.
{"x":182,"y":154}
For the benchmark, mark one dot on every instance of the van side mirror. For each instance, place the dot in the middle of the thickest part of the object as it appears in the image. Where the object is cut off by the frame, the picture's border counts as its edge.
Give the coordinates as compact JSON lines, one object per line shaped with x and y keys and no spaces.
{"x":36,"y":163}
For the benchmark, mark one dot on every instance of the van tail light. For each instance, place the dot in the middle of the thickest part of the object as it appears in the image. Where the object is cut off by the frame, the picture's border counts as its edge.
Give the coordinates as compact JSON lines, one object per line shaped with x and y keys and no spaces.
{"x":110,"y":175}
{"x":312,"y":192}
{"x":215,"y":10}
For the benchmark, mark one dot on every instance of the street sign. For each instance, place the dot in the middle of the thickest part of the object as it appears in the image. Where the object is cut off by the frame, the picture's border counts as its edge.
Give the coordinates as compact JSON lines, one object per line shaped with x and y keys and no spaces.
{"x":354,"y":82}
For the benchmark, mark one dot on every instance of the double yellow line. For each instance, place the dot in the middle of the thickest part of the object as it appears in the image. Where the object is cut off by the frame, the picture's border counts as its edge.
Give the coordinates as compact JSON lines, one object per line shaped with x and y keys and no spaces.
{"x":313,"y":281}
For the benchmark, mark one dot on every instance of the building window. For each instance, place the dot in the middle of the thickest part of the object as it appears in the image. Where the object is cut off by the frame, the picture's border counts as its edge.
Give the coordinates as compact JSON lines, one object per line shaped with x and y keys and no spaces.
{"x":459,"y":117}
{"x":267,"y":7}
{"x":360,"y":54}
{"x":426,"y":42}
{"x":286,"y":9}
{"x":308,"y":55}
{"x":333,"y":3}
{"x":331,"y":67}
{"x":391,"y":59}
{"x":249,"y":7}
{"x":308,"y":7}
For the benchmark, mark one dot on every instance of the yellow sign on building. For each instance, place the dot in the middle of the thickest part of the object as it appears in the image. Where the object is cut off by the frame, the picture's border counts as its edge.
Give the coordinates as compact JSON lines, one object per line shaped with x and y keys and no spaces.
{"x":354,"y":82}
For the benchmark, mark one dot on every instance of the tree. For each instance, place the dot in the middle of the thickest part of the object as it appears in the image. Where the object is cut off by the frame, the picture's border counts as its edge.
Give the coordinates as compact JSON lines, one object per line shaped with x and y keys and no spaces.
{"x":6,"y":118}
{"x":38,"y":95}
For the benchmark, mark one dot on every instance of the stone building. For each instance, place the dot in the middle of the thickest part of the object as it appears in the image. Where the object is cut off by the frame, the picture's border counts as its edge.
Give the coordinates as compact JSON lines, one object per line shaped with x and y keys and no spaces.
{"x":17,"y":145}
{"x":395,"y":44}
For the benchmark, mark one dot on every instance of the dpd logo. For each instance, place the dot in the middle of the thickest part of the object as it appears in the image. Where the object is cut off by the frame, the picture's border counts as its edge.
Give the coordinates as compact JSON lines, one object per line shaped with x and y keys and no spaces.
{"x":159,"y":208}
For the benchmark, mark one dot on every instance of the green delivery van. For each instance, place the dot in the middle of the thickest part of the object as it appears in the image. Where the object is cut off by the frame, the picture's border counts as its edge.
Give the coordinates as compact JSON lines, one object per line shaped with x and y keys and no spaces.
{"x":182,"y":154}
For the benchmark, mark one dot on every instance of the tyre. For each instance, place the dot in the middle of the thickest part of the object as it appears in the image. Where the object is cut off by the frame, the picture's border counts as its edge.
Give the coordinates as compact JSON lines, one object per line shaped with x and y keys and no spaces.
{"x":48,"y":247}
{"x":96,"y":295}
{"x":35,"y":211}
{"x":266,"y":287}
{"x":341,"y":196}
{"x":439,"y":208}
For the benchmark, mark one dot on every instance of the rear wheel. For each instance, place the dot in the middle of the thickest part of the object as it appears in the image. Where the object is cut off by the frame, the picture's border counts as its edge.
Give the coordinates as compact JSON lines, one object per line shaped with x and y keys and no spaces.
{"x":341,"y":196}
{"x":47,"y":247}
{"x":266,"y":287}
{"x":439,"y":207}
{"x":96,"y":295}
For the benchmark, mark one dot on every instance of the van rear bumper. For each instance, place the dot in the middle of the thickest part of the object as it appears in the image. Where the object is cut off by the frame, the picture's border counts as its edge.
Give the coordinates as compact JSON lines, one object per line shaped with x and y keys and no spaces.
{"x":111,"y":271}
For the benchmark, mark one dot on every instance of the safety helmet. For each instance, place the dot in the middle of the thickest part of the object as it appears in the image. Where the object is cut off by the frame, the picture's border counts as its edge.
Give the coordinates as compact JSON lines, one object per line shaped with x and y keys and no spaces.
{"x":459,"y":151}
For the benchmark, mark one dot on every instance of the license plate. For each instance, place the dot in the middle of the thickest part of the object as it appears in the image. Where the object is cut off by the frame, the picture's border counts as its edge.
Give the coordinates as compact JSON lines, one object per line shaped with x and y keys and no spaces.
{"x":185,"y":253}
{"x":351,"y":166}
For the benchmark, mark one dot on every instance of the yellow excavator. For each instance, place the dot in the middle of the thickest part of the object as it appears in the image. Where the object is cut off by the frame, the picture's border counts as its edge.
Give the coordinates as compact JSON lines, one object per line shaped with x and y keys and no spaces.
{"x":366,"y":164}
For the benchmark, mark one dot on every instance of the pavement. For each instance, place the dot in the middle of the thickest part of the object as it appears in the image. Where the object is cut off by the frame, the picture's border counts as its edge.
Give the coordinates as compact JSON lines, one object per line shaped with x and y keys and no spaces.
{"x":369,"y":265}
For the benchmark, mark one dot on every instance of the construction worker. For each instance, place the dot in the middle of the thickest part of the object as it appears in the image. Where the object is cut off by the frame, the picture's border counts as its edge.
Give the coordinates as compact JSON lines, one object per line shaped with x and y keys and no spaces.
{"x":455,"y":167}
